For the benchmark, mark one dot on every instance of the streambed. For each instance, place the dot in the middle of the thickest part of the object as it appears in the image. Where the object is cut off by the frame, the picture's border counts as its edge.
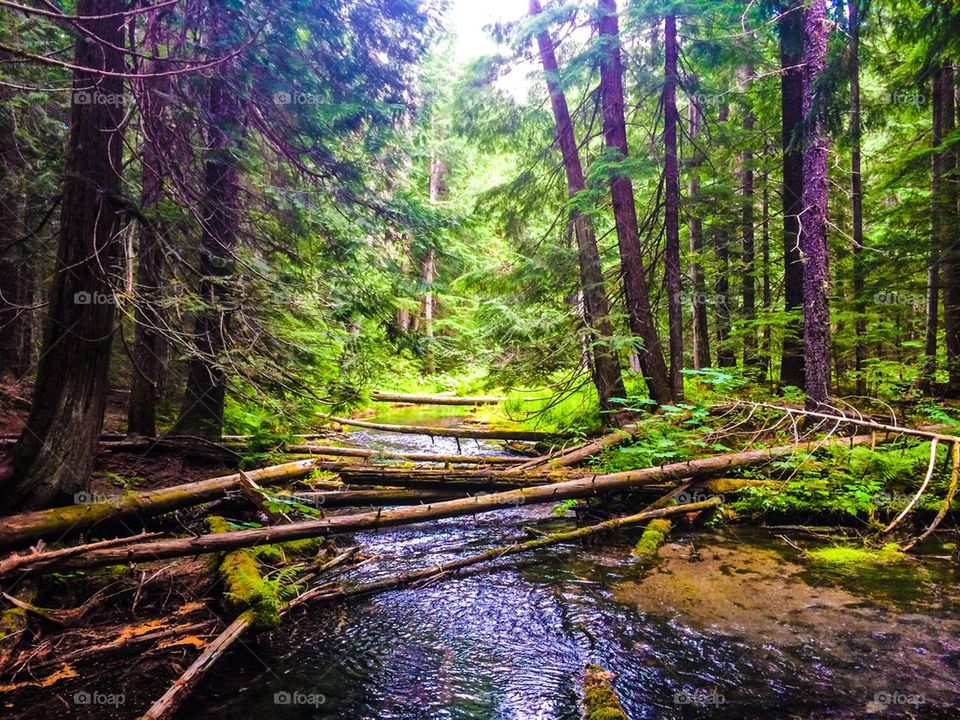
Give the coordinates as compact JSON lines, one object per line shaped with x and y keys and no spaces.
{"x":731,"y":623}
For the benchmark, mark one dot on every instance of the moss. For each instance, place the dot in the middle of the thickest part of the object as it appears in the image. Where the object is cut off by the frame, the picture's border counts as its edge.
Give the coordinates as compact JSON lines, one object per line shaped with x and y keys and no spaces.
{"x":599,"y":700}
{"x":889,"y":554}
{"x":653,"y":537}
{"x":245,"y":587}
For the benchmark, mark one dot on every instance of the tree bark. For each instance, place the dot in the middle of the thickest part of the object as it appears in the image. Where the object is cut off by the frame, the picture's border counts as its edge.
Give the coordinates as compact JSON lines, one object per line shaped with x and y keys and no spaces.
{"x":671,"y":179}
{"x":701,"y":332}
{"x":25,"y":528}
{"x":605,"y":366}
{"x":767,"y":296}
{"x":813,"y":233}
{"x":748,"y":265}
{"x":946,"y":211}
{"x":14,"y":274}
{"x":149,"y":346}
{"x":791,"y":103}
{"x":201,"y":413}
{"x":725,"y":354}
{"x":856,"y":199}
{"x":639,"y":312}
{"x":54,"y":456}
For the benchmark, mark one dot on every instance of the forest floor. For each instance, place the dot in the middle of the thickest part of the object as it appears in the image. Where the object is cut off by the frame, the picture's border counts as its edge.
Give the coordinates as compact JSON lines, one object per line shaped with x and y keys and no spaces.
{"x":141,"y":625}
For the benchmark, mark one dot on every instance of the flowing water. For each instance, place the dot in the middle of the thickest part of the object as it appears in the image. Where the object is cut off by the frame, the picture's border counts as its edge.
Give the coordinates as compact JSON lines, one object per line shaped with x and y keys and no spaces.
{"x":730,"y":624}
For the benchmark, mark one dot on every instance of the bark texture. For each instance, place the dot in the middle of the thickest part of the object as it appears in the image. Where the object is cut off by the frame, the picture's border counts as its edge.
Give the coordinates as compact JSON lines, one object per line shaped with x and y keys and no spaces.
{"x":54,"y":456}
{"x":639,"y":312}
{"x":605,"y":364}
{"x":791,"y":104}
{"x":813,"y":232}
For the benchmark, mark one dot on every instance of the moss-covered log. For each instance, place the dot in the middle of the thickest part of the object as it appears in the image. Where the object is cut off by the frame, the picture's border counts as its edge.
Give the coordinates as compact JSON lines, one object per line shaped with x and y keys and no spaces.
{"x":600,"y":702}
{"x":19,"y":530}
{"x":654,"y":535}
{"x":570,"y":489}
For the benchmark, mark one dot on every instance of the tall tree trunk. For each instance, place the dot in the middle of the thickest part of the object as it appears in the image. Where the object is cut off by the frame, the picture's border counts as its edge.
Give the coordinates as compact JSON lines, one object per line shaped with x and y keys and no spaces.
{"x":149,"y":345}
{"x":428,"y":270}
{"x":202,"y":411}
{"x":606,"y":366}
{"x":813,"y":233}
{"x":725,"y":354}
{"x":671,"y":179}
{"x":14,"y":275}
{"x":642,"y":322}
{"x":767,"y":296}
{"x":791,"y":102}
{"x":946,"y":210}
{"x":933,"y":267}
{"x":701,"y":333}
{"x":54,"y":456}
{"x":748,"y":265}
{"x":856,"y":198}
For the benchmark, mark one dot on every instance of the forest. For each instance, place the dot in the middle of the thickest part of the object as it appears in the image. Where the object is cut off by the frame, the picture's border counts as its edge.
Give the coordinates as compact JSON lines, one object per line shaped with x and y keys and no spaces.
{"x":414,"y":359}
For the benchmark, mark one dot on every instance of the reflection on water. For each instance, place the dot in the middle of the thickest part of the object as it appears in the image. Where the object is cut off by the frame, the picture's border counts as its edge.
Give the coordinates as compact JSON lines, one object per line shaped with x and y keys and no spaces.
{"x":730,"y":625}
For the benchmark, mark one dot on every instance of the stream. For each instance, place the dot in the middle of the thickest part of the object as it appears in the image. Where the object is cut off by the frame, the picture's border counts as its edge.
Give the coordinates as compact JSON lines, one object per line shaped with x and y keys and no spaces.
{"x":731,"y":623}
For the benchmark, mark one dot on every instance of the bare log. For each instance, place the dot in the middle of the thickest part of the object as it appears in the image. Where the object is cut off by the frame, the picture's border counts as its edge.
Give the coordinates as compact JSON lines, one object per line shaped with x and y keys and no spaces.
{"x":167,"y":705}
{"x":395,"y":581}
{"x":469,"y":433}
{"x":374,"y":498}
{"x":379,"y":396}
{"x":570,"y":489}
{"x":28,"y":527}
{"x":572,"y":456}
{"x":416,"y":457}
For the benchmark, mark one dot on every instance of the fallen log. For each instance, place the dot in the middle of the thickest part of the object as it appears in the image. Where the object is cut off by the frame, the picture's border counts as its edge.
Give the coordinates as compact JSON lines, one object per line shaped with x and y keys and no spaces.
{"x":167,"y":705}
{"x":8,"y":565}
{"x":374,"y":498}
{"x":554,"y":492}
{"x":28,"y":527}
{"x":396,"y":581}
{"x":380,"y":396}
{"x":416,"y":457}
{"x":468,"y":433}
{"x":573,"y":455}
{"x":173,"y":698}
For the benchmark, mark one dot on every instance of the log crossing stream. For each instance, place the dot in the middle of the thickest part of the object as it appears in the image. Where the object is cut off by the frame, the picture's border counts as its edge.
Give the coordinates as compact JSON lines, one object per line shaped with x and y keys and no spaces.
{"x":730,"y":624}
